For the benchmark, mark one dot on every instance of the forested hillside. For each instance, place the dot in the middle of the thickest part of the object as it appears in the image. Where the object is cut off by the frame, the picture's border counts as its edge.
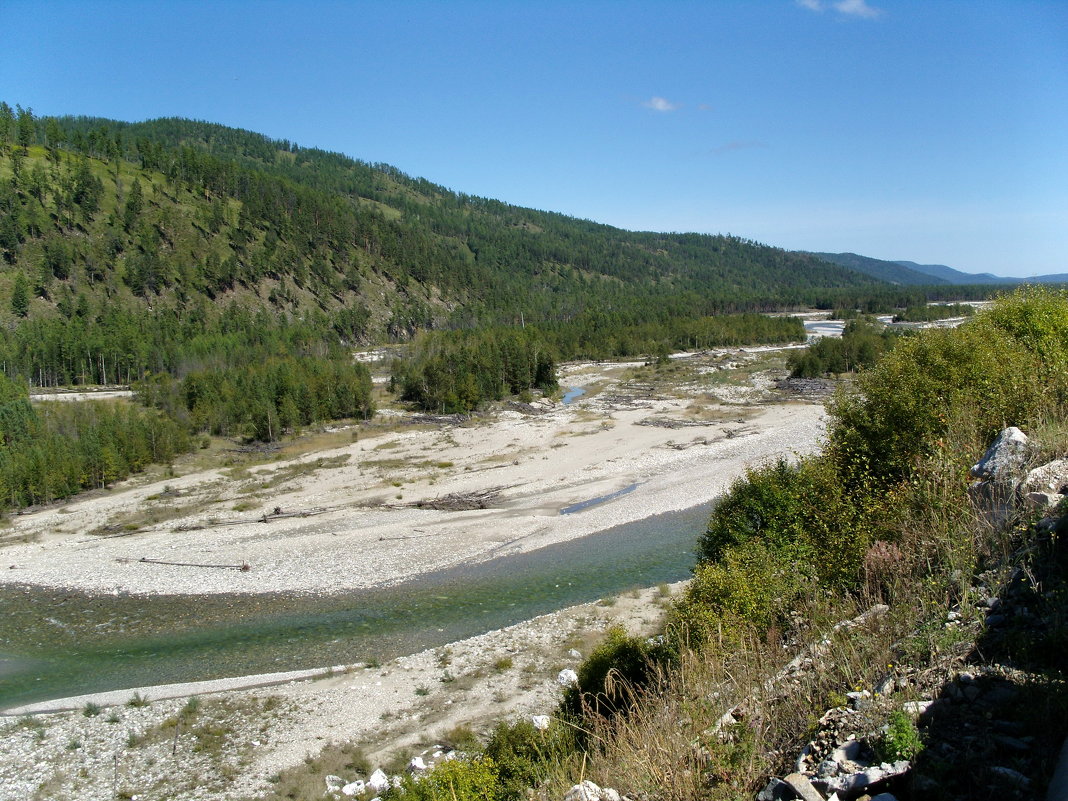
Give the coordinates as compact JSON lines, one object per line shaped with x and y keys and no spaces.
{"x":228,"y":277}
{"x":173,"y":245}
{"x":172,"y":221}
{"x":891,"y":271}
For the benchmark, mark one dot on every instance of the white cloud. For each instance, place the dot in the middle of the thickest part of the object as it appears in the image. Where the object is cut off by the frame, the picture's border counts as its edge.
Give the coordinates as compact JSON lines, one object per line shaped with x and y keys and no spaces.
{"x":849,"y":8}
{"x":661,"y":104}
{"x":857,"y":8}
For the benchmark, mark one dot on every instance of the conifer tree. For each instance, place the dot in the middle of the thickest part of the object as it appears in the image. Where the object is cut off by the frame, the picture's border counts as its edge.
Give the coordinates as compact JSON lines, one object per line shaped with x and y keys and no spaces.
{"x":7,"y":123}
{"x":20,"y":296}
{"x":134,"y":204}
{"x":26,"y":129}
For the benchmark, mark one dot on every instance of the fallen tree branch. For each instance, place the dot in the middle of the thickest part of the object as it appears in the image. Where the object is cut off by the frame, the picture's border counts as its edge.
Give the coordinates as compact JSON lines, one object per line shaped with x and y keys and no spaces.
{"x":244,"y":567}
{"x":266,"y":517}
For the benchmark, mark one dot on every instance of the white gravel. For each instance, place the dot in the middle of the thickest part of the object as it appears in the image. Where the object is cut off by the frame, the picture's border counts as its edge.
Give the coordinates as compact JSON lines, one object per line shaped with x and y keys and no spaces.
{"x":544,"y":463}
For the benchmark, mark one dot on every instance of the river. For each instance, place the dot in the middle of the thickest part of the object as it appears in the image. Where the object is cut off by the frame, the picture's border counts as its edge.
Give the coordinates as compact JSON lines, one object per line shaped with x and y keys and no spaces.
{"x":57,"y":643}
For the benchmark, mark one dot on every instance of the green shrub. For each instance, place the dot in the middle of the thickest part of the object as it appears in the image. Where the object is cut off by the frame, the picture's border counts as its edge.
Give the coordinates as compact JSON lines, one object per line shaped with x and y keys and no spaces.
{"x":1037,"y":317}
{"x":763,"y":505}
{"x":523,"y":754}
{"x":611,"y":673}
{"x":800,"y":510}
{"x":461,"y":738}
{"x":752,"y":586}
{"x":995,"y":368}
{"x":454,"y":780}
{"x":902,"y":738}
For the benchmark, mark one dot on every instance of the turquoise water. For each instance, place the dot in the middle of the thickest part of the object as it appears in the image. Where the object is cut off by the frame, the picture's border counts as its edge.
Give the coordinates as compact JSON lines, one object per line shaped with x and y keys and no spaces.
{"x":573,"y":393}
{"x":59,"y":643}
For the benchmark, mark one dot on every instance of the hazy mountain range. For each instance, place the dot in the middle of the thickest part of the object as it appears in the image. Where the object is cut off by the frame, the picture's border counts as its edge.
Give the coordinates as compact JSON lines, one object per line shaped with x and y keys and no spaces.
{"x":909,"y":272}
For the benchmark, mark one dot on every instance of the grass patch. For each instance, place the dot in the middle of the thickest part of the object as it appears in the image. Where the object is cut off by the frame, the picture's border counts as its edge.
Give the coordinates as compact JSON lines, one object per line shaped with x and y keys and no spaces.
{"x":503,"y":664}
{"x":290,"y":472}
{"x":146,"y":516}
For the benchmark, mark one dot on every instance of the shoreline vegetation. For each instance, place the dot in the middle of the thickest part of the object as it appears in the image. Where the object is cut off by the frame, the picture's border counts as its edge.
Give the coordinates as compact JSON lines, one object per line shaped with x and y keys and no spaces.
{"x":881,"y":518}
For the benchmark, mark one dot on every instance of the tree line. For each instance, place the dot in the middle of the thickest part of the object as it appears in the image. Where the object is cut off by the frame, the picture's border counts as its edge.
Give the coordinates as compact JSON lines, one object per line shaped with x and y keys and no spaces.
{"x":54,"y":449}
{"x":862,"y":343}
{"x":263,"y":400}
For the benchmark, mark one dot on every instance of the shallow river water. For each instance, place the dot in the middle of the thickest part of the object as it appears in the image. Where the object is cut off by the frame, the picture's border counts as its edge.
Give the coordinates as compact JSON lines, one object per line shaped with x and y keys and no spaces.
{"x":55,"y":643}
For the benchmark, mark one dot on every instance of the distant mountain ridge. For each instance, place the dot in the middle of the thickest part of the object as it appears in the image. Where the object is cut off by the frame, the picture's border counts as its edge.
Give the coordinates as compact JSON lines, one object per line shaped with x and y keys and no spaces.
{"x":908,"y":273}
{"x":951,"y":276}
{"x":957,"y":277}
{"x":893,"y":272}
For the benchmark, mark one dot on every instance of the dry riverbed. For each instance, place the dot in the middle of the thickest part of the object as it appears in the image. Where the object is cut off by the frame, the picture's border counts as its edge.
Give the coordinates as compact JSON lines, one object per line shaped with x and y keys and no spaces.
{"x":191,"y":534}
{"x":681,"y":434}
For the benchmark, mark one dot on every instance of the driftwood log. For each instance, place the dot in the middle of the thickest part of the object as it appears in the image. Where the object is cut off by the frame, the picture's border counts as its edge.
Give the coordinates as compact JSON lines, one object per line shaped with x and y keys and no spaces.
{"x":266,"y":517}
{"x":461,"y":501}
{"x":244,"y":567}
{"x":660,"y":422}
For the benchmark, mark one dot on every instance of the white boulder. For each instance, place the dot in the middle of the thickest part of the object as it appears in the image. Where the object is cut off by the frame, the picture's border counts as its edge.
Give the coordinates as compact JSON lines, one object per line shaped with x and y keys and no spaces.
{"x":1005,"y":458}
{"x":379,"y":781}
{"x":586,"y":791}
{"x":334,"y":784}
{"x":566,"y":678}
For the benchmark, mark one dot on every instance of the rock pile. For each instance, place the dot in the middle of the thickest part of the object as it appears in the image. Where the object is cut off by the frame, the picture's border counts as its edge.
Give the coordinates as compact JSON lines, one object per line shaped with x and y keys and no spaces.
{"x":588,"y":791}
{"x":841,"y":761}
{"x":378,"y":782}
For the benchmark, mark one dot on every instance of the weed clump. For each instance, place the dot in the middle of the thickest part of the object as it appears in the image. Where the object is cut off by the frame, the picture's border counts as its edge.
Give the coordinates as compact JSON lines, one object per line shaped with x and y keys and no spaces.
{"x":902,"y":738}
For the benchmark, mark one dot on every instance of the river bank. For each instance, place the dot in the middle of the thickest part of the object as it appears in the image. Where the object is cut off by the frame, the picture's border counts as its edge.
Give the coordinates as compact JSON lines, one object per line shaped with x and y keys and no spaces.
{"x":646,"y":443}
{"x":236,"y":741}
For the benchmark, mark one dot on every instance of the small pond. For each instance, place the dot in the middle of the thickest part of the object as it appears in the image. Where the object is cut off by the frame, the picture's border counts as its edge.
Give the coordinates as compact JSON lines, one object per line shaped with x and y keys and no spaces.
{"x":572,"y":394}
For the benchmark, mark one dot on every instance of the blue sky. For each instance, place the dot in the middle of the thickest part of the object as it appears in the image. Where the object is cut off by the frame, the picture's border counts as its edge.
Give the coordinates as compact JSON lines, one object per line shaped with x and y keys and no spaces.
{"x":934,"y":131}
